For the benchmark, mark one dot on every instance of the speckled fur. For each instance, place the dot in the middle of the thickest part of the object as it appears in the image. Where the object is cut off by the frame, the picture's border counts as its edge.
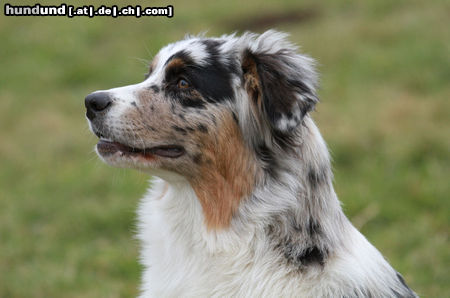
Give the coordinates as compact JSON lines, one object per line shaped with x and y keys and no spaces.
{"x":249,"y":210}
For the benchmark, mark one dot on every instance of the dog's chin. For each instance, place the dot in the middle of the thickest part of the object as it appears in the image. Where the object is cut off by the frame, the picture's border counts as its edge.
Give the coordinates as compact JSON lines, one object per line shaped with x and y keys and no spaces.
{"x":124,"y":156}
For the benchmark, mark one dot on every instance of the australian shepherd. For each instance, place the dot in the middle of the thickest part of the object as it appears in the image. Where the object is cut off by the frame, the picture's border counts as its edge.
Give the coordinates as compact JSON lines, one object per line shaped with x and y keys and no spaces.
{"x":241,"y":201}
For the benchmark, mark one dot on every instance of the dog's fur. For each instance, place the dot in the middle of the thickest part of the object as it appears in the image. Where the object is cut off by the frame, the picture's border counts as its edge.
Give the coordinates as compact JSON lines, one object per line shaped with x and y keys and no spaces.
{"x":244,"y":204}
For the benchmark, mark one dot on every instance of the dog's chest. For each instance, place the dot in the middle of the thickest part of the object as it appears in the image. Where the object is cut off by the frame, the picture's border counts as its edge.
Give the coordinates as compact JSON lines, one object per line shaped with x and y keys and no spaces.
{"x":182,"y":258}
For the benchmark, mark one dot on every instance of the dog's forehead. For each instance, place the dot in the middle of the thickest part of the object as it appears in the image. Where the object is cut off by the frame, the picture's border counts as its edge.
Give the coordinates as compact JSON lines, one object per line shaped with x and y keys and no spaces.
{"x":208,"y":66}
{"x":195,"y":48}
{"x":199,"y":49}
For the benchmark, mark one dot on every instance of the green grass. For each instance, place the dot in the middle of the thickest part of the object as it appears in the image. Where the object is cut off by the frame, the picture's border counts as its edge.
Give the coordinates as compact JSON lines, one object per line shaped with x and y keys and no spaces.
{"x":67,"y":220}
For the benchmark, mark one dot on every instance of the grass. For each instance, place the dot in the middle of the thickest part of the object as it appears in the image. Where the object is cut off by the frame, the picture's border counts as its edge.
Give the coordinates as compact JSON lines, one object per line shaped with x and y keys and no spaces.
{"x":67,"y":220}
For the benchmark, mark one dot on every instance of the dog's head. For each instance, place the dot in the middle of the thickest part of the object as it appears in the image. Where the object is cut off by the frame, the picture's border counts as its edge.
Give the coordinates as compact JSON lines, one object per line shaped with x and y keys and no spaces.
{"x":210,"y":110}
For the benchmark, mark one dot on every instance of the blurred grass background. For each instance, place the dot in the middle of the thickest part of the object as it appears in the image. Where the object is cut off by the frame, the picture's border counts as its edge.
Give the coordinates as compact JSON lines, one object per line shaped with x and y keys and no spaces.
{"x":67,"y":220}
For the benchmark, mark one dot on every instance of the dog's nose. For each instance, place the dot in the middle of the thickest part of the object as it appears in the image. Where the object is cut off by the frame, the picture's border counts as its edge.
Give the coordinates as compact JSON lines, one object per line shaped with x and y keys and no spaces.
{"x":96,"y":102}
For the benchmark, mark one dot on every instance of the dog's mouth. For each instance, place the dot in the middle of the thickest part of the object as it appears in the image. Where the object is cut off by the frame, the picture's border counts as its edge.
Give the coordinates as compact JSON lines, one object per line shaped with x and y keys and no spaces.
{"x":106,"y":147}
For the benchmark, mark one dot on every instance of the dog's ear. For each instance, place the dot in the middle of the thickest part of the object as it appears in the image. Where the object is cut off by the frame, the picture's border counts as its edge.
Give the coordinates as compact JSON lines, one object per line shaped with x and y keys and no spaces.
{"x":280,"y":82}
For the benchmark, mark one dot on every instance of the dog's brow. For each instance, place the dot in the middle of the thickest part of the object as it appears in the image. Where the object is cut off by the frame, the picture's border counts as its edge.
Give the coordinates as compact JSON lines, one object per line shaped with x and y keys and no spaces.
{"x":170,"y":59}
{"x":182,"y":55}
{"x":175,"y":63}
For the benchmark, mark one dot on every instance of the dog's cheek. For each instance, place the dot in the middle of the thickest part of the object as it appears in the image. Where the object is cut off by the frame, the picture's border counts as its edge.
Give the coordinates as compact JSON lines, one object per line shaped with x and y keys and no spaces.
{"x":194,"y":139}
{"x":151,"y":115}
{"x":224,"y":170}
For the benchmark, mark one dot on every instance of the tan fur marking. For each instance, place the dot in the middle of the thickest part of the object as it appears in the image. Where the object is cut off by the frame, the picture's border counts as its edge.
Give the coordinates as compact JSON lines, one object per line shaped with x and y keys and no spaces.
{"x":175,"y":63}
{"x":228,"y":177}
{"x":252,"y":85}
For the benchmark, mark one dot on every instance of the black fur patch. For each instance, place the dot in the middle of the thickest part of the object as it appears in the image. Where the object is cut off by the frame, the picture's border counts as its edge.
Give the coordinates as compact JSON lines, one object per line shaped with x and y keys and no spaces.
{"x":193,"y":103}
{"x":400,"y":278}
{"x":212,"y":80}
{"x":270,"y":164}
{"x":212,"y":47}
{"x":235,"y":118}
{"x":314,"y":229}
{"x":155,"y":88}
{"x":303,"y":258}
{"x":293,"y":246}
{"x":202,"y":128}
{"x":183,"y":55}
{"x":402,"y":281}
{"x":307,"y":102}
{"x":279,"y":90}
{"x":310,"y":256}
{"x":179,"y":129}
{"x":317,"y":177}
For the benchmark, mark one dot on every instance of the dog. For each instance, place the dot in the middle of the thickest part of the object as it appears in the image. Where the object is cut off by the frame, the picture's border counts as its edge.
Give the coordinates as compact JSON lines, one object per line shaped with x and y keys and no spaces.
{"x":242,"y":202}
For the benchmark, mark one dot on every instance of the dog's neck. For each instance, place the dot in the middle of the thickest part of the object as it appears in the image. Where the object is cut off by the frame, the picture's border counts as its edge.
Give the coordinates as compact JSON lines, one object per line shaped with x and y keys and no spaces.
{"x":293,"y":222}
{"x":297,"y":205}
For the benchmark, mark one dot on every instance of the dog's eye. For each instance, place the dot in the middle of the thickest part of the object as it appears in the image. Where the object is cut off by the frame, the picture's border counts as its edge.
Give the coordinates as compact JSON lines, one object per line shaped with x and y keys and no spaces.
{"x":183,"y":84}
